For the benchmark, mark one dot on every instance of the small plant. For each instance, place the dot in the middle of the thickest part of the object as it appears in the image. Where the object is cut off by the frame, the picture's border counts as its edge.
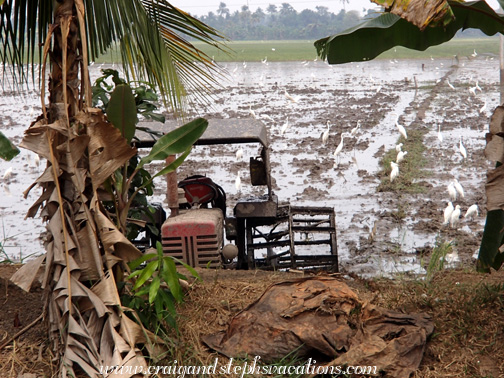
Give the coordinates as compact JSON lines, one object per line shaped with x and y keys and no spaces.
{"x":156,"y":289}
{"x":438,"y":258}
{"x":129,"y":187}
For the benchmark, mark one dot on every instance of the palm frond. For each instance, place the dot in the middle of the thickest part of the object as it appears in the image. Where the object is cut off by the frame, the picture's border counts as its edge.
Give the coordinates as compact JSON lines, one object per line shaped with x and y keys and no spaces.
{"x":153,"y":37}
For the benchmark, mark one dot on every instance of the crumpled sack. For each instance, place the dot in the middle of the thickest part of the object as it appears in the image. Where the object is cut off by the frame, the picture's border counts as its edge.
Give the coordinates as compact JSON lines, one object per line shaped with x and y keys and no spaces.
{"x":322,"y":316}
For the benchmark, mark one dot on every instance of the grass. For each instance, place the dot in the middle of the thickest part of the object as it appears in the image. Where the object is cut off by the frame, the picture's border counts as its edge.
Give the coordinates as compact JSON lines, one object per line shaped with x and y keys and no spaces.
{"x":4,"y":257}
{"x":438,"y":257}
{"x":255,"y":51}
{"x":410,"y":169}
{"x":299,"y":50}
{"x":467,"y":309}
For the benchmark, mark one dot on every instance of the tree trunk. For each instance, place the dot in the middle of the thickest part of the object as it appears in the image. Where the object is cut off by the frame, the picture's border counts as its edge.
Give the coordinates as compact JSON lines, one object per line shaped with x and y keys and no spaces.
{"x":87,"y":325}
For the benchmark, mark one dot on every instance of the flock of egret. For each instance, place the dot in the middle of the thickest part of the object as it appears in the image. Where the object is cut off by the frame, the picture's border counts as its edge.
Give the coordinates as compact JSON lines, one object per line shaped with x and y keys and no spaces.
{"x":452,"y":214}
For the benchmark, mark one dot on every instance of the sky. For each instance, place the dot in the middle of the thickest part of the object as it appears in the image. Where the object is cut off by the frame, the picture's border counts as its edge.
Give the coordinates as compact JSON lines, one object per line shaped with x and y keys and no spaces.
{"x":202,"y":7}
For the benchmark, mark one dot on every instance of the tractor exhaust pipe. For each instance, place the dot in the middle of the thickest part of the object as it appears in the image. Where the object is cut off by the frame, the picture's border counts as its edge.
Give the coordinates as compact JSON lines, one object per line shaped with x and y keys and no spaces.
{"x":172,"y":189}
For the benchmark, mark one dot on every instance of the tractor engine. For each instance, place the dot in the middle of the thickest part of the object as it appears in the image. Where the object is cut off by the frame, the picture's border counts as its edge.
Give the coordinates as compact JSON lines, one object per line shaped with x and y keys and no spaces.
{"x":195,"y":236}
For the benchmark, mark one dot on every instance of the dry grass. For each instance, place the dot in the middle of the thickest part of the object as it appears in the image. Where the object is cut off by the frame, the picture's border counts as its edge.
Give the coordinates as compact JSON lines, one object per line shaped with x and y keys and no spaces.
{"x":467,"y":308}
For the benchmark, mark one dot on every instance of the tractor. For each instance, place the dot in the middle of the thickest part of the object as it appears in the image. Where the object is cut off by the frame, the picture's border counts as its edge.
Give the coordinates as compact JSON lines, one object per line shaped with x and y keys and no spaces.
{"x":261,"y":232}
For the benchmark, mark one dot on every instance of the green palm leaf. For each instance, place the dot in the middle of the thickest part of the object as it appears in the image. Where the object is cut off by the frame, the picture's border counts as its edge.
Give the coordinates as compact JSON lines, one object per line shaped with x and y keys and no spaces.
{"x":147,"y":31}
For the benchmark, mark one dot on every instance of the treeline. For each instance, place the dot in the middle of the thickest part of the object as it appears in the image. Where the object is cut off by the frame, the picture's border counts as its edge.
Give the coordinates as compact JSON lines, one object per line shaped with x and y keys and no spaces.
{"x":280,"y":22}
{"x":284,"y":22}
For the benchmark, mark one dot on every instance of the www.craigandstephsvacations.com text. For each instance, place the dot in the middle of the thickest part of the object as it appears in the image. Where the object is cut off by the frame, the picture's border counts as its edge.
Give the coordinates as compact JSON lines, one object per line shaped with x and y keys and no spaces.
{"x":240,"y":369}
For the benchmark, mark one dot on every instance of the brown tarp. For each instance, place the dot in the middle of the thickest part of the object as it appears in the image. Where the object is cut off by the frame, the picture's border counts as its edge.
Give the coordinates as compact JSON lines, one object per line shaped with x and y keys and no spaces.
{"x":322,"y":316}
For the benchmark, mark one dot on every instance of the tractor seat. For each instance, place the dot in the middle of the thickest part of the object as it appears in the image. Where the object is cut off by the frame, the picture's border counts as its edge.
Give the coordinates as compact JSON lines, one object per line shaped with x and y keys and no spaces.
{"x":201,"y":190}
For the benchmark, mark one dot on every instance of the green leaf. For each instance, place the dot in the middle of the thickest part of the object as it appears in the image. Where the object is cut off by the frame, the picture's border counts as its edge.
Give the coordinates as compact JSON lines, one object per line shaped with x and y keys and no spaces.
{"x":493,"y":237}
{"x":369,"y":39}
{"x":154,"y":288}
{"x":134,"y":274}
{"x":121,"y":111}
{"x":159,"y":249}
{"x":146,"y":273}
{"x":176,"y":141}
{"x":136,"y":263}
{"x":144,"y":290}
{"x":168,"y":301}
{"x":169,"y":273}
{"x":7,"y":150}
{"x":188,"y":267}
{"x":174,"y":165}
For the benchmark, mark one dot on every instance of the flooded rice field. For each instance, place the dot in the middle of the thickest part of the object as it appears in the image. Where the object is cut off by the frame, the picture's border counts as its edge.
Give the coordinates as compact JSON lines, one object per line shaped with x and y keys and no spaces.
{"x":379,"y":232}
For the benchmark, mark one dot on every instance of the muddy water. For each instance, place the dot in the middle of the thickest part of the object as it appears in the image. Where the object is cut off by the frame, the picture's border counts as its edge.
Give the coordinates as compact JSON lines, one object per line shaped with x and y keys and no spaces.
{"x":304,"y":169}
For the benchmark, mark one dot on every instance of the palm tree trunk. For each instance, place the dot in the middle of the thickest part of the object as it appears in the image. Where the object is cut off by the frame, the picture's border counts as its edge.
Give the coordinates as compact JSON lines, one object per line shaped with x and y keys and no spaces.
{"x":82,"y":148}
{"x":59,"y":94}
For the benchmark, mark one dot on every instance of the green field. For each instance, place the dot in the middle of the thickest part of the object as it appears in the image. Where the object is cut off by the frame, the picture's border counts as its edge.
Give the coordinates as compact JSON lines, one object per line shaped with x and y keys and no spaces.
{"x":299,"y":50}
{"x":254,"y":51}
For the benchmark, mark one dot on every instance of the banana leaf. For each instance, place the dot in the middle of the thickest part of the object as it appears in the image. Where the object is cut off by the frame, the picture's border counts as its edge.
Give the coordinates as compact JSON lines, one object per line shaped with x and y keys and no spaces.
{"x":7,"y":150}
{"x":176,"y":141}
{"x":122,"y":111}
{"x":368,"y":40}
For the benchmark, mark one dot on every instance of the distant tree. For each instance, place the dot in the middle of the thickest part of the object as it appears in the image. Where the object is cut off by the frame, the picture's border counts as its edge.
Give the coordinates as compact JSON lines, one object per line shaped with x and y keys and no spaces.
{"x":322,"y":11}
{"x":258,"y":16}
{"x":287,"y":9}
{"x":223,"y":10}
{"x":272,"y":9}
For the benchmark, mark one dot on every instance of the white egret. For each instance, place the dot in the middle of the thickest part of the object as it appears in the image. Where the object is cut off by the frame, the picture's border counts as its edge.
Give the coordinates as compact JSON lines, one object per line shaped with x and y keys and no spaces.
{"x":398,"y":147}
{"x":400,"y":156}
{"x":340,"y":145}
{"x":252,"y":113}
{"x":462,"y":149}
{"x":265,"y":116}
{"x":477,"y":87}
{"x":244,"y":64}
{"x":238,"y":182}
{"x":8,"y":174}
{"x":450,"y":84}
{"x":401,"y":129}
{"x":439,"y":135}
{"x":458,"y":188}
{"x":239,"y":153}
{"x":355,"y":129}
{"x":474,"y":54}
{"x":325,"y":135}
{"x":452,"y":192}
{"x":289,"y":97}
{"x":471,"y":211}
{"x":448,"y":212}
{"x":285,"y":126}
{"x":395,"y":171}
{"x":455,"y":217}
{"x":378,"y":89}
{"x":472,"y":90}
{"x":483,"y":108}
